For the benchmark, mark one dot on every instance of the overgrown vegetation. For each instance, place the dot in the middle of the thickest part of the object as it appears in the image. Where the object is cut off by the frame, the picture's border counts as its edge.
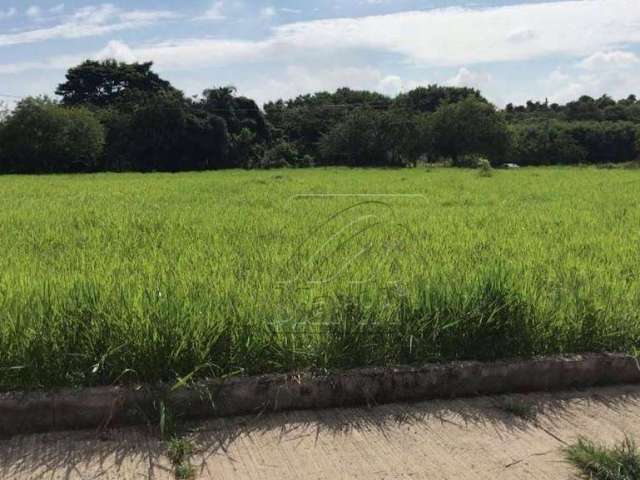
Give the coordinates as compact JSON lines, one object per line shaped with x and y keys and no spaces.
{"x":124,"y":117}
{"x":596,"y":462}
{"x":179,"y":451}
{"x":127,"y":277}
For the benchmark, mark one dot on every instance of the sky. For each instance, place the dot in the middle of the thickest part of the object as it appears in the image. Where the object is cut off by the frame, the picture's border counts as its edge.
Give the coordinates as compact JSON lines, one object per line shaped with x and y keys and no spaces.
{"x":512,"y":50}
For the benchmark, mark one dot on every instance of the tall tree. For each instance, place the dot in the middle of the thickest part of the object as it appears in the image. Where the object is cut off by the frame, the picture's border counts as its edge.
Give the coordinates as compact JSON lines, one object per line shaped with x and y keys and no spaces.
{"x":239,"y":112}
{"x":104,"y":83}
{"x":305,"y":119}
{"x":369,"y":137}
{"x":429,"y":99}
{"x":469,"y":127}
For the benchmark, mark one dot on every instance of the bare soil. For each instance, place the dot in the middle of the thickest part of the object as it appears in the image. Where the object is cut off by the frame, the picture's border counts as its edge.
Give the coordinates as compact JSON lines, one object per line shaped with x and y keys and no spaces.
{"x":480,"y":438}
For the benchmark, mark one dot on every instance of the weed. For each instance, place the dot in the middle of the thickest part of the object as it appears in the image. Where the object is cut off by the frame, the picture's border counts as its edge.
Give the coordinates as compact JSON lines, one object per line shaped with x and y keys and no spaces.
{"x":179,"y":451}
{"x":518,"y":408}
{"x":596,"y":462}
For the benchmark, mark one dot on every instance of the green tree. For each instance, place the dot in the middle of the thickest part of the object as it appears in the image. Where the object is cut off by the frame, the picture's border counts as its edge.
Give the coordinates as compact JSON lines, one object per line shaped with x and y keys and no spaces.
{"x":41,"y":136}
{"x":239,"y":112}
{"x":429,"y":99}
{"x":366,"y":138}
{"x":586,"y":108}
{"x":165,"y":132}
{"x":544,"y":143}
{"x":246,"y":152}
{"x":304,"y":120}
{"x":103,"y":83}
{"x":469,"y":127}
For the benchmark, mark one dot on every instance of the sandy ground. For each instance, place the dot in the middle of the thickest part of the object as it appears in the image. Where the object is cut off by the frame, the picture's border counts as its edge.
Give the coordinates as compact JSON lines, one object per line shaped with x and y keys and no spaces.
{"x":457,"y":439}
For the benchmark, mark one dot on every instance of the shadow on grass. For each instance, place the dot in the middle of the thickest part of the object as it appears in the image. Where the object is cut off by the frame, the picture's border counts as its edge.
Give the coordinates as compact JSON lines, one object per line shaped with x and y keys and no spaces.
{"x":131,"y":452}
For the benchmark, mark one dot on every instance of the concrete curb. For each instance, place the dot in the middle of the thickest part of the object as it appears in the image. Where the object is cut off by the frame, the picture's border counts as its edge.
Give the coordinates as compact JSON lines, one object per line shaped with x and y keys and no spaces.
{"x":113,"y":406}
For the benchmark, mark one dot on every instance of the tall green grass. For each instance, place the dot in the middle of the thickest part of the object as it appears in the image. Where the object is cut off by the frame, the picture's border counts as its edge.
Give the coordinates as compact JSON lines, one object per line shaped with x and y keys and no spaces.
{"x":129,"y":277}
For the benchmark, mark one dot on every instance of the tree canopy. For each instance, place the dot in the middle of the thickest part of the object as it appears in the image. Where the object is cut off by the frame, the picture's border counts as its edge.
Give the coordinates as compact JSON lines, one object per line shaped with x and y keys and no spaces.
{"x":117,"y":116}
{"x":41,"y":137}
{"x":103,"y":83}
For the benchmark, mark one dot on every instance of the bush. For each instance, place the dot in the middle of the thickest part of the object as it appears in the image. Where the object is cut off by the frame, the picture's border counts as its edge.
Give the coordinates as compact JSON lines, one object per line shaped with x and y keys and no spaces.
{"x":484,"y":167}
{"x":282,"y":154}
{"x":472,"y":160}
{"x":41,"y":136}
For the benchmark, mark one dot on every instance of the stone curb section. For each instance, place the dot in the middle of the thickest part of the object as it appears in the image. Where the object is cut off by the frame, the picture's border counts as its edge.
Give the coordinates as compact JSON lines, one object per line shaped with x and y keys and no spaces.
{"x":98,"y":407}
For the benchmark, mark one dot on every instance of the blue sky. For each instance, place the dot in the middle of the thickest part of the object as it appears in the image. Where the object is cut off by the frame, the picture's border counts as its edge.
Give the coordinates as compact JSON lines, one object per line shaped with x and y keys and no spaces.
{"x":512,"y":50}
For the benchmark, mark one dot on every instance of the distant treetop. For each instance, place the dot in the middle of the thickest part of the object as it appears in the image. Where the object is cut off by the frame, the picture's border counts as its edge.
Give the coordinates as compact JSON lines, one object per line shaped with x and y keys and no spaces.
{"x":102,"y":83}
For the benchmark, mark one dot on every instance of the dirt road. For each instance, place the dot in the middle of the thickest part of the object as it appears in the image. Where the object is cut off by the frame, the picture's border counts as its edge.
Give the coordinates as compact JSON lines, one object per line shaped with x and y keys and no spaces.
{"x":458,"y":439}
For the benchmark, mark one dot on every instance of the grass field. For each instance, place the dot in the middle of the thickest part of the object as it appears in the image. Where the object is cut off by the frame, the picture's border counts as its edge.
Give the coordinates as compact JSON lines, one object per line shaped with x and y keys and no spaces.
{"x":133,"y":277}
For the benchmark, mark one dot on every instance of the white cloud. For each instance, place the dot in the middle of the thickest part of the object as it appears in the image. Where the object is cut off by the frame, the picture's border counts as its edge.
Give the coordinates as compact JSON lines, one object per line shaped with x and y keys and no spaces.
{"x":268,"y":12}
{"x":444,"y":37}
{"x":57,"y":8}
{"x":468,"y":78}
{"x":118,"y":51}
{"x":441,"y":37}
{"x":215,"y":12}
{"x":616,"y":73}
{"x":147,"y":16}
{"x":391,"y":85}
{"x":459,"y":36}
{"x":86,"y":22}
{"x":33,"y":11}
{"x":611,"y":59}
{"x":190,"y":53}
{"x":296,"y":80}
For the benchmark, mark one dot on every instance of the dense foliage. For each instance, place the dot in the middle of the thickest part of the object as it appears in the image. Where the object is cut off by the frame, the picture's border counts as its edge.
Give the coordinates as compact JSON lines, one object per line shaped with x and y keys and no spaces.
{"x":40,"y":136}
{"x":123,"y":117}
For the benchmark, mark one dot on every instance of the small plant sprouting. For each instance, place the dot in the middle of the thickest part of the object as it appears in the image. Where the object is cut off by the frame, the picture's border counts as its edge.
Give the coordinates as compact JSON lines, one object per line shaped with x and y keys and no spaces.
{"x":521,"y":409}
{"x":179,"y":453}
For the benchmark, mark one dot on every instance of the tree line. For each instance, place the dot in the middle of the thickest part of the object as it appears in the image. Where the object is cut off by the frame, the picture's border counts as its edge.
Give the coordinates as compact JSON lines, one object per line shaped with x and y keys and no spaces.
{"x":115,"y":116}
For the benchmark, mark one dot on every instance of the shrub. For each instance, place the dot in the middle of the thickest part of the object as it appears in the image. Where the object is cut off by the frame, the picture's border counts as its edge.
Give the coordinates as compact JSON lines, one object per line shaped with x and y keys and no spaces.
{"x":471,"y":160}
{"x":282,"y":154}
{"x":41,"y":136}
{"x":484,"y":168}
